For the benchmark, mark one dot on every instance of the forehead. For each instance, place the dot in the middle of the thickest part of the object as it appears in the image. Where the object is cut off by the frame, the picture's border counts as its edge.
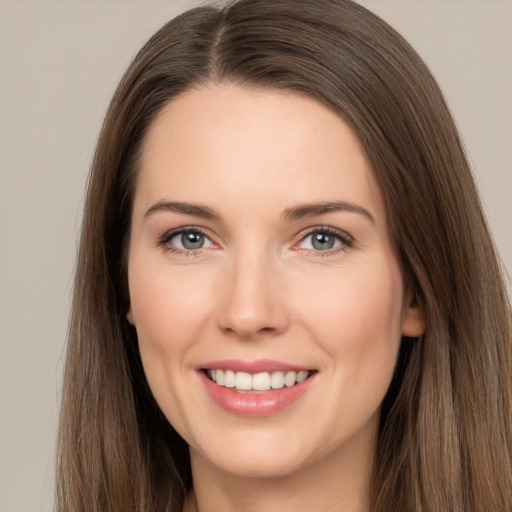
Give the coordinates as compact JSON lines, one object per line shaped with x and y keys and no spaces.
{"x":226,"y":142}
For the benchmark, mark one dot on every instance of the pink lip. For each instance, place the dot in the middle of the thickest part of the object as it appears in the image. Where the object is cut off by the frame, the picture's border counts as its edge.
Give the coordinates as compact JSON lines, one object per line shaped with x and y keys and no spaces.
{"x":254,"y":404}
{"x":261,"y":365}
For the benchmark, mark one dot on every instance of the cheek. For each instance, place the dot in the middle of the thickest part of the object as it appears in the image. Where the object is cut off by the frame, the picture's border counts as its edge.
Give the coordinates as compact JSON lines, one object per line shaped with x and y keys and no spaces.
{"x":358,"y":325}
{"x":167,"y":306}
{"x":168,"y":309}
{"x":359,"y":299}
{"x":357,"y":321}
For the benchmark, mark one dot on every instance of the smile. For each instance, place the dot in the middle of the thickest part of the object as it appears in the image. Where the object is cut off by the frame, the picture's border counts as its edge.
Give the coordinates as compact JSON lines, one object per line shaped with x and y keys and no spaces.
{"x":255,"y":389}
{"x":258,"y":382}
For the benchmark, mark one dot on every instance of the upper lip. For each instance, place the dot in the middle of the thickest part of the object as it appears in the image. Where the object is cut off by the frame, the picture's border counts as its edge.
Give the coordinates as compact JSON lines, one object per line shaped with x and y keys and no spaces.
{"x":257,"y":366}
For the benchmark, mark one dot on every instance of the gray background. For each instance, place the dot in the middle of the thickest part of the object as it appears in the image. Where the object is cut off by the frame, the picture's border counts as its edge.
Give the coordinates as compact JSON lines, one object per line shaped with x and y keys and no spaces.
{"x":59,"y":64}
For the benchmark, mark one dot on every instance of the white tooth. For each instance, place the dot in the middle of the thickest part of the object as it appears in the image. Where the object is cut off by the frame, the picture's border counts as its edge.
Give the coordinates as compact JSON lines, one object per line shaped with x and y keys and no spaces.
{"x":302,"y":376}
{"x":229,"y":378}
{"x":243,"y":381}
{"x":211,"y":373}
{"x":219,"y":377}
{"x":289,"y":379}
{"x":261,"y":381}
{"x":277,"y":380}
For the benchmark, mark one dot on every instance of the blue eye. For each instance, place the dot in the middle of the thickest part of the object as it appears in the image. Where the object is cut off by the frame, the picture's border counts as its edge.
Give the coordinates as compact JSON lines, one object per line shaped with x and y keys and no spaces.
{"x":324,"y":240}
{"x":186,"y":240}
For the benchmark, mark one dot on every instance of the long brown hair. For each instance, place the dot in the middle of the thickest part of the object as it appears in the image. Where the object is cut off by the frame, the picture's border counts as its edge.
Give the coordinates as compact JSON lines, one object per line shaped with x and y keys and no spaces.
{"x":445,"y":442}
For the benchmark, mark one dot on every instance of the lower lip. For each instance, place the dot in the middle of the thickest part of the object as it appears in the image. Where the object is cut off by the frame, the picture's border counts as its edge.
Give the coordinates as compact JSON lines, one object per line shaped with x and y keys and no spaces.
{"x":254,"y":404}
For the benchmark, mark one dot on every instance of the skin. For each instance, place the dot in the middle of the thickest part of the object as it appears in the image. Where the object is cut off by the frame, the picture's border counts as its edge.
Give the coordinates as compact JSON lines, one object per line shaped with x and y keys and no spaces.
{"x":258,"y":289}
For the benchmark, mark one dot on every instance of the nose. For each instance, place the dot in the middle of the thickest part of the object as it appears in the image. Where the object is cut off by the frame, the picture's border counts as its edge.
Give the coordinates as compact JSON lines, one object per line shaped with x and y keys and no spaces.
{"x":253,"y":298}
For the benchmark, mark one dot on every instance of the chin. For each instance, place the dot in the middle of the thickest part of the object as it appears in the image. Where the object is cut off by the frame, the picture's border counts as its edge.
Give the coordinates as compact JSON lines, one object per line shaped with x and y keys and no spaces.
{"x":257,"y":460}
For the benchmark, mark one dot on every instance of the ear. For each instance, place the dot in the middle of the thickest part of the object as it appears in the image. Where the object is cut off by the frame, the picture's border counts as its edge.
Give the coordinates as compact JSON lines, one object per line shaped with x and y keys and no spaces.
{"x":129,"y":316}
{"x":414,"y":320}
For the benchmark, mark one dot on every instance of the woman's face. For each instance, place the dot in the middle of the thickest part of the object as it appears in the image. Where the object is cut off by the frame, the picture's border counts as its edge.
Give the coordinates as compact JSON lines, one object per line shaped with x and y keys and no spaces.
{"x":267,"y":299}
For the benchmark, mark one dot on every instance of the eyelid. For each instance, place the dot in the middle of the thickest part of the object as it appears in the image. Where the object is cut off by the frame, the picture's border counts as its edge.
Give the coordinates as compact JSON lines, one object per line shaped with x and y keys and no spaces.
{"x":164,"y":239}
{"x":345,"y":238}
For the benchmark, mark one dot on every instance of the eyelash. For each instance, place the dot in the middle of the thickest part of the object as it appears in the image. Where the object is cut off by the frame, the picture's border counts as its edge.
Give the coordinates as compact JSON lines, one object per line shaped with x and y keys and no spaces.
{"x":164,"y":240}
{"x":346,"y":240}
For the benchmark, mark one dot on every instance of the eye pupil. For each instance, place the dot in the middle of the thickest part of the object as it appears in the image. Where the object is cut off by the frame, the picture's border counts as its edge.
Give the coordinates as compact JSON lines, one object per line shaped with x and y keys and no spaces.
{"x":322,"y":241}
{"x":192,"y":240}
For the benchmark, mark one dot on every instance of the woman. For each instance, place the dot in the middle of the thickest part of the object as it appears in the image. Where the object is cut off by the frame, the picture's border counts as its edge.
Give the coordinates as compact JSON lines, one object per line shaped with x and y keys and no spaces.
{"x":286,"y":293}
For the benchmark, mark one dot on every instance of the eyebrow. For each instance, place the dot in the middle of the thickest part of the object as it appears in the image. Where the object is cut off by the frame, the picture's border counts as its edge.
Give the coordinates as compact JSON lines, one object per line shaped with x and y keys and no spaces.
{"x":289,"y":214}
{"x":196,"y":210}
{"x":314,"y":209}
